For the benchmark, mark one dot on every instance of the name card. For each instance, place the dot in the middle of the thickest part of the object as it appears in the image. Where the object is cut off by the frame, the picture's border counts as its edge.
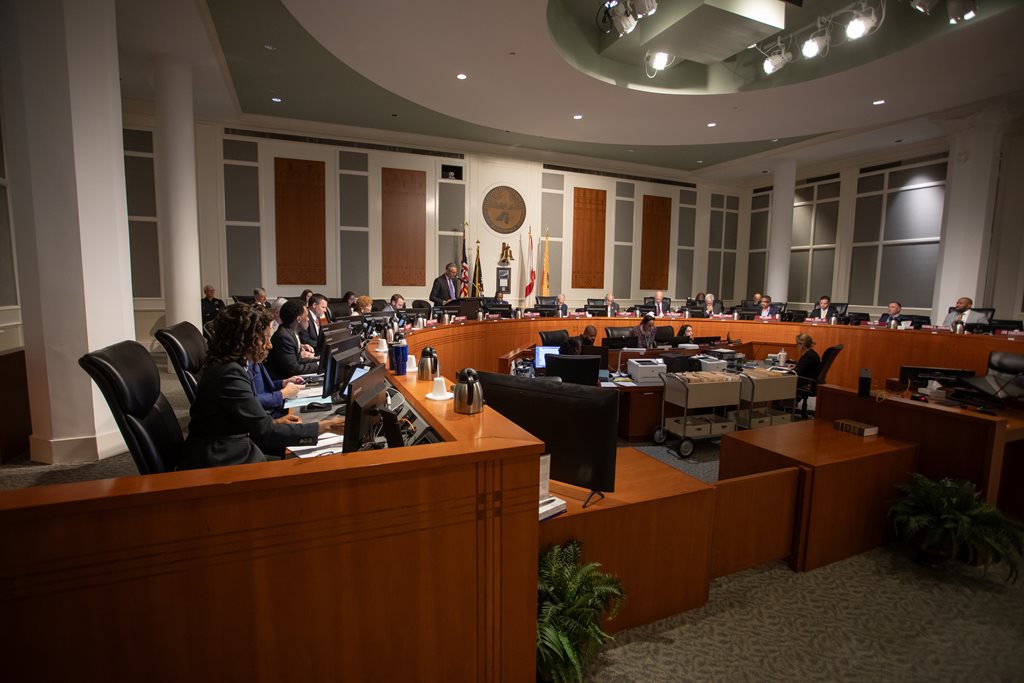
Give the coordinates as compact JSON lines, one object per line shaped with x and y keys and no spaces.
{"x":492,"y":316}
{"x":430,"y":323}
{"x":459,"y":319}
{"x":532,"y":314}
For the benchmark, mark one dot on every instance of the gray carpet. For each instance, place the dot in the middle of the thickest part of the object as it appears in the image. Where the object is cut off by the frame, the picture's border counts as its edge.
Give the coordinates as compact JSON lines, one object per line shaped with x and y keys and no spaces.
{"x":874,"y":617}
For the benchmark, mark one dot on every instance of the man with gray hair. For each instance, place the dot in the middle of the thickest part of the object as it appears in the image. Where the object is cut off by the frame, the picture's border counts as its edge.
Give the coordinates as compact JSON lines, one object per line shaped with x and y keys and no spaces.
{"x":446,"y":287}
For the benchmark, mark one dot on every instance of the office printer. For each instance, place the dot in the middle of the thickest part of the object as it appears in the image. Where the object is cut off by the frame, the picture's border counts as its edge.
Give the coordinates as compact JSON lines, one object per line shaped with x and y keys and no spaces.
{"x":646,"y":370}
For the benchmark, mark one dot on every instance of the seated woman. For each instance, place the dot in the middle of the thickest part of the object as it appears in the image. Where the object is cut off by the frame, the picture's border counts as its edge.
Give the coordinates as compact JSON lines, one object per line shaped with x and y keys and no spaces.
{"x":685,"y":334}
{"x":645,"y":331}
{"x":363,"y":305}
{"x":287,"y":356}
{"x":809,"y":364}
{"x":570,"y":347}
{"x":228,"y":425}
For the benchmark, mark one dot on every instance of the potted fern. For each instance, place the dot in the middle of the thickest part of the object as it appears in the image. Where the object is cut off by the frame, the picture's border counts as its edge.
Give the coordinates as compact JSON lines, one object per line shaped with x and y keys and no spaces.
{"x":572,"y":598}
{"x":947,"y":520}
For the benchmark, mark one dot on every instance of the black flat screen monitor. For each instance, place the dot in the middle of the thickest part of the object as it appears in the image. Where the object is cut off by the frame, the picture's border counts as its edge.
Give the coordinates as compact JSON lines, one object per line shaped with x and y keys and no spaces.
{"x":704,"y":341}
{"x":367,"y":396}
{"x":546,"y":310}
{"x":598,"y":311}
{"x":339,"y":364}
{"x":540,"y":354}
{"x":632,"y":342}
{"x":335,"y":340}
{"x":599,"y":351}
{"x":574,"y":369}
{"x":469,"y":307}
{"x":914,"y":377}
{"x":578,"y":424}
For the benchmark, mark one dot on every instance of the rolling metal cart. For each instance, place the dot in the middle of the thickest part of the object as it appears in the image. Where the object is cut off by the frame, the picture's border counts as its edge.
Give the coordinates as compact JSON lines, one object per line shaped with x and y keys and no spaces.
{"x":686,"y":394}
{"x":763,"y":386}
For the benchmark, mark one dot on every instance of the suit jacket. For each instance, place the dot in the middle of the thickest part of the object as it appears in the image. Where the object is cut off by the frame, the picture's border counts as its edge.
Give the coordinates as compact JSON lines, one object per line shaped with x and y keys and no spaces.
{"x":773,"y":310}
{"x":284,"y":359}
{"x":439,"y":292}
{"x":884,"y":318}
{"x":615,"y":307}
{"x":229,"y":426}
{"x":816,"y":313}
{"x":267,"y":390}
{"x":210,"y":308}
{"x":312,"y":333}
{"x":666,"y":306}
{"x":808,"y":367}
{"x":972,"y":317}
{"x":715,"y":307}
{"x":564,"y":310}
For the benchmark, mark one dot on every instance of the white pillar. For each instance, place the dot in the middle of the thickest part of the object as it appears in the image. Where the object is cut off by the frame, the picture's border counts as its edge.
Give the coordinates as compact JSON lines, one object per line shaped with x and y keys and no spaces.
{"x":62,"y":114}
{"x":971,"y":181}
{"x":177,"y":212}
{"x":780,"y":236}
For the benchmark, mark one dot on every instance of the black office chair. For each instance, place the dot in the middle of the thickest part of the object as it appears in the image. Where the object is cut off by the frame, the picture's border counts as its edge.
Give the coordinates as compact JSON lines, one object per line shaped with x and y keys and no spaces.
{"x":1003,"y":324}
{"x":186,"y":349}
{"x":840,"y":308}
{"x":546,"y":300}
{"x":917,"y":321}
{"x":378,"y":305}
{"x":794,"y":316}
{"x":553,"y":337}
{"x":596,"y":302}
{"x":618,"y":332}
{"x":130,"y":382}
{"x":574,"y":369}
{"x":243,"y":298}
{"x":809,"y":387}
{"x":856,"y":318}
{"x":664,"y":334}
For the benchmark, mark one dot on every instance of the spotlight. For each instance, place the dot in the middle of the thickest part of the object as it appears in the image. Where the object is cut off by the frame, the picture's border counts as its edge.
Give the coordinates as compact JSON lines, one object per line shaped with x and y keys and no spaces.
{"x":961,"y":10}
{"x":815,"y":46}
{"x":622,"y":21}
{"x":660,"y":60}
{"x":860,"y":25}
{"x":644,"y":8}
{"x":777,"y":60}
{"x":924,"y":6}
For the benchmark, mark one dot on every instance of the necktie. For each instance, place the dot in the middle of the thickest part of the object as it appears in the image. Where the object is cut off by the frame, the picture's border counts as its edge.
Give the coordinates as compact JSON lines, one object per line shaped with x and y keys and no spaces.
{"x":451,"y":287}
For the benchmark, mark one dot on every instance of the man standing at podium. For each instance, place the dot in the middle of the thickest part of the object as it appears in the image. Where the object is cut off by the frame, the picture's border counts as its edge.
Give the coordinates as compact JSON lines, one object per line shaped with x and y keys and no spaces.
{"x":446,"y":287}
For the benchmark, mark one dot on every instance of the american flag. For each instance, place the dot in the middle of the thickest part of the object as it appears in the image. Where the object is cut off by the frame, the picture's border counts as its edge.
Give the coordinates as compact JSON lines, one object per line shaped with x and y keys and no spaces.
{"x":529,"y":268}
{"x":464,"y":274}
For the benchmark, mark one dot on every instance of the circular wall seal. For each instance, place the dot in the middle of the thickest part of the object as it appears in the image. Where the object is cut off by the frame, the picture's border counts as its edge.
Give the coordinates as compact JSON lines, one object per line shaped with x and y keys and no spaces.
{"x":504,"y":210}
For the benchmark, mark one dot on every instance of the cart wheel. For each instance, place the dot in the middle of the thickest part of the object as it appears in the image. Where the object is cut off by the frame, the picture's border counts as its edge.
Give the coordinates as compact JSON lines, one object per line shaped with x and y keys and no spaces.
{"x":686,"y":448}
{"x":660,"y":435}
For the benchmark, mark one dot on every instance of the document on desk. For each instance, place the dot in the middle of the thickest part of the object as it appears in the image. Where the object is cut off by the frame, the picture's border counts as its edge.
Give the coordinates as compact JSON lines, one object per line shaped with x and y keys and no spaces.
{"x":310,"y":391}
{"x":328,"y":443}
{"x":609,"y":385}
{"x":299,"y":402}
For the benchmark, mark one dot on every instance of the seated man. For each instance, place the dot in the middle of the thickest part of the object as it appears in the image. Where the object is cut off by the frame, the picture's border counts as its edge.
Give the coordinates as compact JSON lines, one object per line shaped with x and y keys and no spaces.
{"x":397,"y":303}
{"x":660,"y":307}
{"x":312,"y":332}
{"x":963,"y":312}
{"x":563,"y":308}
{"x":589,"y":336}
{"x":211,"y":305}
{"x":893,"y":314}
{"x":768,"y":310}
{"x":285,"y":359}
{"x":609,"y":302}
{"x":824,"y":310}
{"x":259,"y":296}
{"x":711,"y":307}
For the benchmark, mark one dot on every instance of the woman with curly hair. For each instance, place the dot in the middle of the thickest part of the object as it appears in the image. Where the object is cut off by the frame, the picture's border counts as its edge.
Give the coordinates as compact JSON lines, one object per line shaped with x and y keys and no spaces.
{"x":363,"y":305}
{"x":228,"y":425}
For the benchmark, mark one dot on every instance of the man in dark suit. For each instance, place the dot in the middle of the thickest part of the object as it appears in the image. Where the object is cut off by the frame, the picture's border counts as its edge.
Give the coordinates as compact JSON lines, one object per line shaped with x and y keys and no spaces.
{"x":768,"y":310}
{"x":259,"y":296}
{"x":211,"y":305}
{"x":563,"y":308}
{"x":894,"y":313}
{"x":285,"y":359}
{"x":609,"y":302}
{"x":312,"y":332}
{"x":711,"y":307}
{"x":446,"y":286}
{"x":824,"y":310}
{"x":661,"y":304}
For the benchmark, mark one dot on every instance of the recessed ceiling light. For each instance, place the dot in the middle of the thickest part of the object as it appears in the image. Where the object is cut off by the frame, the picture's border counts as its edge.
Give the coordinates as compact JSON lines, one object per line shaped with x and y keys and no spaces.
{"x":878,"y":102}
{"x":699,"y":161}
{"x":461,"y":77}
{"x":276,"y":99}
{"x":630,"y":150}
{"x":269,"y":46}
{"x":765,"y":171}
{"x":712,"y":124}
{"x":577,"y":117}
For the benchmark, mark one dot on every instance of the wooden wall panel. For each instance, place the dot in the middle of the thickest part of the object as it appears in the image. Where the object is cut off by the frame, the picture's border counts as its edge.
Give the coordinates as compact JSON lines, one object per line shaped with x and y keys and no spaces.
{"x":300,"y":227}
{"x":588,"y":221}
{"x":403,"y":226}
{"x":655,"y":246}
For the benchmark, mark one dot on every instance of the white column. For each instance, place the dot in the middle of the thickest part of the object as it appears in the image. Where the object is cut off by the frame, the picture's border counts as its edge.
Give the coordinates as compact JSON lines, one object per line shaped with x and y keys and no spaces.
{"x":62,"y":113}
{"x":971,"y":182}
{"x":781,"y":231}
{"x":177,"y":212}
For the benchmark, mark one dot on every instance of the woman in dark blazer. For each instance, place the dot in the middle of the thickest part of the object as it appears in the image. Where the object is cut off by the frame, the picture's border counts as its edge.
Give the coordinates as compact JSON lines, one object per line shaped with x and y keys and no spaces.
{"x":228,"y":425}
{"x":809,"y":364}
{"x":285,"y":359}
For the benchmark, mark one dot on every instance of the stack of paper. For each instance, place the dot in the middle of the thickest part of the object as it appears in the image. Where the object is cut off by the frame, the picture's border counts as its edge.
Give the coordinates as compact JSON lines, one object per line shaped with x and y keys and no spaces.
{"x":329,"y":443}
{"x":549,"y":507}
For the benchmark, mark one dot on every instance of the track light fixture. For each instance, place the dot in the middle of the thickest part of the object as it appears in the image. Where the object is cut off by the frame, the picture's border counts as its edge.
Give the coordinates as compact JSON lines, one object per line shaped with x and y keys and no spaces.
{"x":776,"y":58}
{"x":645,"y":8}
{"x":658,"y":61}
{"x":621,"y":16}
{"x":961,"y":10}
{"x":861,"y":24}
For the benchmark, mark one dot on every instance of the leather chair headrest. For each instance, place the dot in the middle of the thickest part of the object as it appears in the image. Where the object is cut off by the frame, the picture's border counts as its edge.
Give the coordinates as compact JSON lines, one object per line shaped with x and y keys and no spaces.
{"x":1006,"y":362}
{"x":129,"y":371}
{"x":187,"y":342}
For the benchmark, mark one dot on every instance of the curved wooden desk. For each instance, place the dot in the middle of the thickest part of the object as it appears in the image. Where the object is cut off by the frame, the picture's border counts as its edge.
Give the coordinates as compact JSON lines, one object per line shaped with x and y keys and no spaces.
{"x":403,"y":564}
{"x":478,"y":344}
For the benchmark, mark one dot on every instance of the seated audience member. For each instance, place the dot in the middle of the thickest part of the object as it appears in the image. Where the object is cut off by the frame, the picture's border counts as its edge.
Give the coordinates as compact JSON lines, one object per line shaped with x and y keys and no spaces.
{"x":345,"y":307}
{"x":645,"y":331}
{"x":893,"y":314}
{"x":809,"y":364}
{"x":699,"y":298}
{"x":363,"y":305}
{"x":260,"y":297}
{"x":589,"y":336}
{"x":312,"y":332}
{"x":963,"y":312}
{"x":563,"y":309}
{"x":570,"y":347}
{"x":824,"y":310}
{"x":211,"y":305}
{"x":397,"y":303}
{"x":609,"y":302}
{"x":711,"y":307}
{"x":304,"y":297}
{"x":768,"y":310}
{"x":757,"y":299}
{"x":499,"y":297}
{"x":285,"y":359}
{"x":660,"y":308}
{"x":228,"y":425}
{"x":686,"y":334}
{"x":271,"y":393}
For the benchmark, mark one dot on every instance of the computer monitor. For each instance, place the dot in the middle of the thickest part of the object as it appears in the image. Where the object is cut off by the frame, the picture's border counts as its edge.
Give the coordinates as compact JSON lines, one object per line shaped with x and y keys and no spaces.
{"x":574,"y":369}
{"x":357,"y":371}
{"x":632,"y":342}
{"x":367,"y":396}
{"x":469,"y":307}
{"x":578,"y":424}
{"x":334,"y":340}
{"x":597,"y":311}
{"x":540,"y":354}
{"x":339,"y":363}
{"x":599,"y":351}
{"x":914,"y":377}
{"x":704,"y":341}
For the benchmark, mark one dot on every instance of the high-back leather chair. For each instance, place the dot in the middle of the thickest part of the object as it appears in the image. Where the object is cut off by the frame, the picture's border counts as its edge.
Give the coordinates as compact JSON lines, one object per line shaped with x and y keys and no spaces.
{"x":810,"y":387}
{"x":186,"y":349}
{"x":546,"y":300}
{"x":130,"y":382}
{"x":664,"y":334}
{"x":618,"y":332}
{"x":553,"y":337}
